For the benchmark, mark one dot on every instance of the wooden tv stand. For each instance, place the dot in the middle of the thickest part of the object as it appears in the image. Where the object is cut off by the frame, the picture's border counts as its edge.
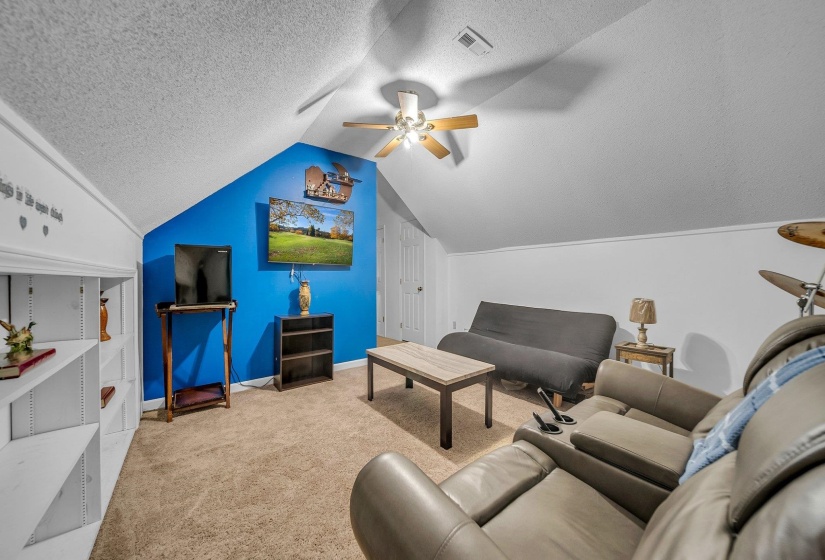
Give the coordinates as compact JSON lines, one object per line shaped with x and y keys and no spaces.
{"x":202,"y":395}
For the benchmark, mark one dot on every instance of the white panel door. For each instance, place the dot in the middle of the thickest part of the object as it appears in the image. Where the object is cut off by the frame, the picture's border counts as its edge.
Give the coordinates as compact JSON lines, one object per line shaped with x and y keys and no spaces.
{"x":380,"y":284}
{"x":412,"y":283}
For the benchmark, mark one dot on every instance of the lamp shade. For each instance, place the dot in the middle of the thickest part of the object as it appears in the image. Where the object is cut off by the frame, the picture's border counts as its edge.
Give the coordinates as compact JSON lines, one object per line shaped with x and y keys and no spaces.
{"x":643,"y":311}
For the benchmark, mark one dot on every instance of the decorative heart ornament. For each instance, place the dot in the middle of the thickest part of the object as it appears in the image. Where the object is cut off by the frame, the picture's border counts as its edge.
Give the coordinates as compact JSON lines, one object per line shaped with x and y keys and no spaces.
{"x":23,"y":222}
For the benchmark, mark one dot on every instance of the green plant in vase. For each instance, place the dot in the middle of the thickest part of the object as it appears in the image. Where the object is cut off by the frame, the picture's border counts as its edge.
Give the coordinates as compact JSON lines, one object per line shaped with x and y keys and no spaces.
{"x":18,"y":341}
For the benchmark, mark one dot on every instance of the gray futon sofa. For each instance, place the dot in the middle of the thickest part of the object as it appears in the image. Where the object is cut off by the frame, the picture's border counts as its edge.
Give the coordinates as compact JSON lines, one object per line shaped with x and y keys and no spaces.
{"x":556,"y":350}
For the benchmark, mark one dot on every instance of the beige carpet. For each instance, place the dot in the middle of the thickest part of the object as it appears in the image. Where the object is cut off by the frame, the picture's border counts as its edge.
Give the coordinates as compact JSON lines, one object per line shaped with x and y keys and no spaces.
{"x":271,"y":477}
{"x":384,"y":341}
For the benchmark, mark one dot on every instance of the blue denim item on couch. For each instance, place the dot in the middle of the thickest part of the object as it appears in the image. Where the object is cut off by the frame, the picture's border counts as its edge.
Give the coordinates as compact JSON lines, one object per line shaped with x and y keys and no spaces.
{"x":724,"y":437}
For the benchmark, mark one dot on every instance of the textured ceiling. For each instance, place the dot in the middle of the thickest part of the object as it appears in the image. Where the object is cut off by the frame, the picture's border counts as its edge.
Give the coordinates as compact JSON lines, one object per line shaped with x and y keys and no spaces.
{"x":677,"y":116}
{"x":418,"y":52}
{"x":161,"y":103}
{"x":597,"y":119}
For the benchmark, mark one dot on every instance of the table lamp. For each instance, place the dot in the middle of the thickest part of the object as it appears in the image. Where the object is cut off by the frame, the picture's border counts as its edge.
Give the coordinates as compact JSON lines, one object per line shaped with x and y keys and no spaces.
{"x":643,"y":311}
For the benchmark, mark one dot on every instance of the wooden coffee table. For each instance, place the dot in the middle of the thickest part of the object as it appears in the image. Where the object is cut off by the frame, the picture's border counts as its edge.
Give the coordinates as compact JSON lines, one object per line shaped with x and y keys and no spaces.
{"x":438,"y":370}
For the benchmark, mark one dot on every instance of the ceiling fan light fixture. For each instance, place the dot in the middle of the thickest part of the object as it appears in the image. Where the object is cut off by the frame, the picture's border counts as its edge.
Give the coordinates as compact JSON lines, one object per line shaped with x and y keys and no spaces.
{"x":412,"y":127}
{"x":408,"y":102}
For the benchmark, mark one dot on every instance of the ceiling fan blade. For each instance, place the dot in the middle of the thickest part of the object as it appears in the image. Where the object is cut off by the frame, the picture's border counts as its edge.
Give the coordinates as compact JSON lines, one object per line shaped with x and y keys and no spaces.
{"x":393,"y":144}
{"x":434,"y":146}
{"x":370,"y":125}
{"x":408,"y":101}
{"x":454,"y":123}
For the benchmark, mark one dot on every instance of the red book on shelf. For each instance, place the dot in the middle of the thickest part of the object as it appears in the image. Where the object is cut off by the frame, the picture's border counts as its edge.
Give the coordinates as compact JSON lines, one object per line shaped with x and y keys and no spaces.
{"x":106,"y":394}
{"x":13,"y":366}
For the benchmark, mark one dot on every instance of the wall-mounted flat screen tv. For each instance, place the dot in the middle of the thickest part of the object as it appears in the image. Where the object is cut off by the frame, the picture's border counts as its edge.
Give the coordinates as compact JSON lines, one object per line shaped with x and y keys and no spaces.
{"x":310,"y":234}
{"x":203,"y":274}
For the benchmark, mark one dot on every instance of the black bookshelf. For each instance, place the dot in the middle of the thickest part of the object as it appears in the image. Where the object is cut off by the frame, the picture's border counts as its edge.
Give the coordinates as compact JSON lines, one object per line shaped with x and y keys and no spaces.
{"x":303,"y":349}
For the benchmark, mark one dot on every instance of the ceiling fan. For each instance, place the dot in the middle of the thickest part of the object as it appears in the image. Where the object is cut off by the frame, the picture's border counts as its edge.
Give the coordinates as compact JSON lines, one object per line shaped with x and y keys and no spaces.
{"x":413,"y":127}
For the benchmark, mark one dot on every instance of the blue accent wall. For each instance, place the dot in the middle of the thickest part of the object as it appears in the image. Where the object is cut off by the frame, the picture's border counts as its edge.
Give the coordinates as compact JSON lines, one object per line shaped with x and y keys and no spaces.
{"x":238,"y":215}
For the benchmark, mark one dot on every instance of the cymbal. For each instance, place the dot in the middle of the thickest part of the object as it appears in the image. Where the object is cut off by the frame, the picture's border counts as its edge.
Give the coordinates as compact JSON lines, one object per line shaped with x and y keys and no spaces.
{"x":806,"y":233}
{"x":792,"y":286}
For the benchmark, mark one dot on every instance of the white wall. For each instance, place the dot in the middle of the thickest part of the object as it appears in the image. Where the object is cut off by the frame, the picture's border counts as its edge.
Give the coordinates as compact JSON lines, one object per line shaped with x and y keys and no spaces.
{"x":392,"y":212}
{"x":437,"y":282}
{"x":5,"y":411}
{"x":4,"y":298}
{"x":712,"y":305}
{"x":93,"y":232}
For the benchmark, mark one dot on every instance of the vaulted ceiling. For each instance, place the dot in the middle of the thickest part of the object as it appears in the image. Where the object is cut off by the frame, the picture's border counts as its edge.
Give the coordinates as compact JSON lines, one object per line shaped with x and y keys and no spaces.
{"x":161,"y":103}
{"x":597,"y":119}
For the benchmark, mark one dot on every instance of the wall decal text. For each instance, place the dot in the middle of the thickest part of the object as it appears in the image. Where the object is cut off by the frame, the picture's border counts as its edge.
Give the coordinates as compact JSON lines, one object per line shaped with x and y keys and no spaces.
{"x":9,"y":190}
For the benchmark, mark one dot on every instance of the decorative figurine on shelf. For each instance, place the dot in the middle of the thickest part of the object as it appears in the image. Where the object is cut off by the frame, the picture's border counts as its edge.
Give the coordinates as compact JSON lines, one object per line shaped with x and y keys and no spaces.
{"x":104,"y":319}
{"x":304,"y":297}
{"x":322,"y":185}
{"x":18,"y":341}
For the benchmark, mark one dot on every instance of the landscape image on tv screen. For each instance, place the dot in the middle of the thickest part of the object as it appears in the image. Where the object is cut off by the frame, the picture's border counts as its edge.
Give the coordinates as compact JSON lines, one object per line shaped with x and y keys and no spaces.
{"x":306,"y":233}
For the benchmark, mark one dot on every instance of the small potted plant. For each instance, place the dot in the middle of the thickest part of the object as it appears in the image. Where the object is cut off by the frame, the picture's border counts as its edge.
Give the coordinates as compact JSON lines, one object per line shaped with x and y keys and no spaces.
{"x":18,"y":341}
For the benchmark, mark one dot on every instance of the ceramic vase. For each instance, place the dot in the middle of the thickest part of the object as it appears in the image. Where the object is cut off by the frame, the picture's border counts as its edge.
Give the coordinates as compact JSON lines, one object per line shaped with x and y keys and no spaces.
{"x":104,"y":320}
{"x":304,"y":297}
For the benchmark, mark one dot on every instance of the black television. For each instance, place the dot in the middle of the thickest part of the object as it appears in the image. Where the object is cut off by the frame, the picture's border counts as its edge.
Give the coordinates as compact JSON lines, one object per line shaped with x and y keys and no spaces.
{"x":306,"y":233}
{"x":203,"y":274}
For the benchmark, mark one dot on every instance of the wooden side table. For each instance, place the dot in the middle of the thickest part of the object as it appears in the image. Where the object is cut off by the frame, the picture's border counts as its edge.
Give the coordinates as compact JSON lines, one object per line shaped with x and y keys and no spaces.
{"x":203,"y":395}
{"x":661,"y":355}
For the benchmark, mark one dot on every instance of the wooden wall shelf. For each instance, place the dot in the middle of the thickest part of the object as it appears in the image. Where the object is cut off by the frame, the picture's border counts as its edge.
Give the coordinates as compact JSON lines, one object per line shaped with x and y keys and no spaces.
{"x":303,"y":349}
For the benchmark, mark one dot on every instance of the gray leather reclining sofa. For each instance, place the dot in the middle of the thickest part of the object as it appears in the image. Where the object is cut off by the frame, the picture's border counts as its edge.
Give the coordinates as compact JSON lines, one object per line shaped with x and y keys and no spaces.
{"x":556,"y":350}
{"x":608,"y":486}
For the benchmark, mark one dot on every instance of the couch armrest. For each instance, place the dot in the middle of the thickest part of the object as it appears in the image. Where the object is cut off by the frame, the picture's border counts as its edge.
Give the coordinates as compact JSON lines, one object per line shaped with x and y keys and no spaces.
{"x":637,"y":495}
{"x":396,"y":511}
{"x":644,"y":450}
{"x":654,"y":393}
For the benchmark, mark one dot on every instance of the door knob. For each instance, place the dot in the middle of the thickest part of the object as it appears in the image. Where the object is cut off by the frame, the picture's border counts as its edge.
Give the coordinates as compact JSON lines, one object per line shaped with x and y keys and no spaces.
{"x":420,"y":288}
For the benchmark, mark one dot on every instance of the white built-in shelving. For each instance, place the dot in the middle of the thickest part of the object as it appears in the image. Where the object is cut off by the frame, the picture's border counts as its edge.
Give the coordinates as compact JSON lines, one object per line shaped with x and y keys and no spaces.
{"x":66,"y":351}
{"x":113,"y":412}
{"x":112,"y":349}
{"x":34,"y":469}
{"x":115,"y":446}
{"x":60,"y":453}
{"x":77,"y":544}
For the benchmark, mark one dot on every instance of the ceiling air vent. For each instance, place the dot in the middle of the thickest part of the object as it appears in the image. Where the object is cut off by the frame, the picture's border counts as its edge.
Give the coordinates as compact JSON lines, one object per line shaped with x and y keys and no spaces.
{"x":472,"y":41}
